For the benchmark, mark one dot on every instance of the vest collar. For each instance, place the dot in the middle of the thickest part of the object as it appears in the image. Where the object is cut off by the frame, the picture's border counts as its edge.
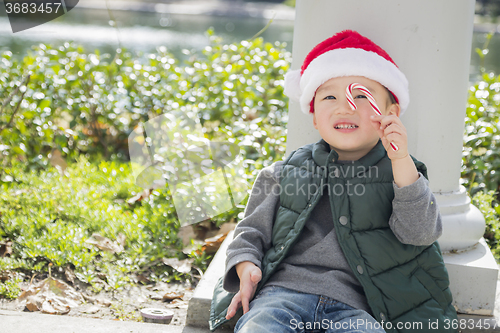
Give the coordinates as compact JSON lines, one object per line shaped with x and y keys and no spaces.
{"x":323,"y":155}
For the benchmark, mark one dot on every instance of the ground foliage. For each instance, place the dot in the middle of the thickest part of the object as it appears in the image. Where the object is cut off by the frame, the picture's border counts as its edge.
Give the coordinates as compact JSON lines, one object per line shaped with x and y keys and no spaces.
{"x":87,"y":103}
{"x":481,"y":153}
{"x":73,"y":109}
{"x":50,"y":220}
{"x":490,"y":209}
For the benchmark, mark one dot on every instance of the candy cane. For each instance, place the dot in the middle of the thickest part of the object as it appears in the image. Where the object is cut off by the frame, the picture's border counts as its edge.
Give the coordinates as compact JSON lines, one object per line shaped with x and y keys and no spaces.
{"x":371,"y":100}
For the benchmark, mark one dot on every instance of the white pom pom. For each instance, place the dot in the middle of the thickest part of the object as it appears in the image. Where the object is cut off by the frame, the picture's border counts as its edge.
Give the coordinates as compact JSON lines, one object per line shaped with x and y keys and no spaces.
{"x":292,"y":85}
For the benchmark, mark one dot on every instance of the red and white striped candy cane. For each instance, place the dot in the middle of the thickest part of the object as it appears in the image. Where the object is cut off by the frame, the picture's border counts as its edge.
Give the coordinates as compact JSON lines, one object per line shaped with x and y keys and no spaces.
{"x":371,"y":100}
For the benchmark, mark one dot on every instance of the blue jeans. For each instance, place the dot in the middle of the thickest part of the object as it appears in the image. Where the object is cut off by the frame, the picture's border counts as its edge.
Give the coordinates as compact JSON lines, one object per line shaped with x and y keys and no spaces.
{"x":277,"y":309}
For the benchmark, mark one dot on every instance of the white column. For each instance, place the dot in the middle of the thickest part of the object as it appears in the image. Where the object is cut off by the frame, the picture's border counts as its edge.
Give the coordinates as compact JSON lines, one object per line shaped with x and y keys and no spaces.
{"x":430,"y":41}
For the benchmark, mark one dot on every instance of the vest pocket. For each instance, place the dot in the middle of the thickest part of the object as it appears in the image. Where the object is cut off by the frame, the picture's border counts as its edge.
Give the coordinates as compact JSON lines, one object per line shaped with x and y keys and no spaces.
{"x":428,"y":282}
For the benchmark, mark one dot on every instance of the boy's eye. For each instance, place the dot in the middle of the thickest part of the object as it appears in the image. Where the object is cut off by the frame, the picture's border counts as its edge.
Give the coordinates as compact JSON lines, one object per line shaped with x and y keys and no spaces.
{"x":360,"y":96}
{"x":330,"y":97}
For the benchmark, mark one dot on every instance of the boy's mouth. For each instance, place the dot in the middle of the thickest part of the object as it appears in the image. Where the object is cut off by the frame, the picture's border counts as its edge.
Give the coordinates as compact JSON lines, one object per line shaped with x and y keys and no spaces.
{"x":345,"y":126}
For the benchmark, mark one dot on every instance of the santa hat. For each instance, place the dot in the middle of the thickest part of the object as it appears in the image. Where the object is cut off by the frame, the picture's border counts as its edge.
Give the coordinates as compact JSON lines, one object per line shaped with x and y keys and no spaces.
{"x":346,"y":53}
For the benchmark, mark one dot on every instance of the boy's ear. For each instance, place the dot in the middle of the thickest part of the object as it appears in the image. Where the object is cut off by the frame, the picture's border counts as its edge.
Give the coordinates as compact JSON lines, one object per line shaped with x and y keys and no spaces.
{"x":395,"y":109}
{"x":315,"y":123}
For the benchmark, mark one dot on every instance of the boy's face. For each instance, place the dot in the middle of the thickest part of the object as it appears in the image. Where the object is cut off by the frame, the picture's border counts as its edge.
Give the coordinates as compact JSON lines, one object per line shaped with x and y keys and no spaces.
{"x":349,"y":132}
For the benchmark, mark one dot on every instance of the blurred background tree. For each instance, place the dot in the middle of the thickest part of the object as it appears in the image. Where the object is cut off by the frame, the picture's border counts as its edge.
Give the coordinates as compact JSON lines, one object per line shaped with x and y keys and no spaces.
{"x":489,"y":8}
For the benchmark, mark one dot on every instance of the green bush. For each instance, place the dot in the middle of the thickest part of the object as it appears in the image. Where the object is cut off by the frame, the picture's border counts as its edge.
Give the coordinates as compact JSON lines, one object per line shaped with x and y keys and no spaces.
{"x":86,"y":105}
{"x":50,"y":219}
{"x":83,"y":103}
{"x":490,"y":209}
{"x":10,"y":288}
{"x":481,"y":154}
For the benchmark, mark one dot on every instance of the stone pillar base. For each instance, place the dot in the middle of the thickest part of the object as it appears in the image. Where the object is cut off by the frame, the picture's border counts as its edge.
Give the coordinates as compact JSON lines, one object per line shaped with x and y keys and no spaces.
{"x":463,"y":223}
{"x":473,"y":279}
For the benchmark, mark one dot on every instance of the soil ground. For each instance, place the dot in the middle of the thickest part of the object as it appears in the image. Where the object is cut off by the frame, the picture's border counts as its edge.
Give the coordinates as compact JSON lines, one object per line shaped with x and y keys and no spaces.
{"x":125,"y":304}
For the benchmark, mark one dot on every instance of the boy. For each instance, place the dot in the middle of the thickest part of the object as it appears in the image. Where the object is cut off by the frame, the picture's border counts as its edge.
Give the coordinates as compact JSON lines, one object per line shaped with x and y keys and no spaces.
{"x":341,"y":236}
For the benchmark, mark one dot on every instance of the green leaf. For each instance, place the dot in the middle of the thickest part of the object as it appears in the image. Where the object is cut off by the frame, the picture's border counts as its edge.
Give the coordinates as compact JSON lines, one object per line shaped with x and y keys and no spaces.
{"x":29,"y":114}
{"x":44,"y":104}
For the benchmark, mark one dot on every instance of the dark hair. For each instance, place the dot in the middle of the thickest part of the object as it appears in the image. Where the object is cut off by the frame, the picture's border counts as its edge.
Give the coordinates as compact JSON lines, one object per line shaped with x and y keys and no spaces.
{"x":392,"y":99}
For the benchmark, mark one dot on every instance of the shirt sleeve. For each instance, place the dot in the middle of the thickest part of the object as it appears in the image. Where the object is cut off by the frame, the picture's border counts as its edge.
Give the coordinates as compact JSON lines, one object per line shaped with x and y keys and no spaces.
{"x":415,"y":216}
{"x":252,"y":236}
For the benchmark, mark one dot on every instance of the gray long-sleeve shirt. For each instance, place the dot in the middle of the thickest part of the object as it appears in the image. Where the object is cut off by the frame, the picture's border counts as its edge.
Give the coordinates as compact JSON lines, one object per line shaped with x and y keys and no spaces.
{"x":316,"y":263}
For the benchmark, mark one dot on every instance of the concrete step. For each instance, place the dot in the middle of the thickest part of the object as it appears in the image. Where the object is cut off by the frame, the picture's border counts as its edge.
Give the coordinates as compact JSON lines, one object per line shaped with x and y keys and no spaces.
{"x":29,"y":322}
{"x":198,"y":313}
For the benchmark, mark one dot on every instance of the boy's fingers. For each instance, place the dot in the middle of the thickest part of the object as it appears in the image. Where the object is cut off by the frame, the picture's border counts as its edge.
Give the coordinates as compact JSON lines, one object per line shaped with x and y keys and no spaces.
{"x":229,"y":314}
{"x":393,"y":128}
{"x":255,"y":275}
{"x":393,"y":137}
{"x":246,"y":294}
{"x":380,"y":132}
{"x":395,"y":132}
{"x":248,"y":284}
{"x":245,"y":301}
{"x":234,"y":306}
{"x":385,"y":121}
{"x":375,"y":121}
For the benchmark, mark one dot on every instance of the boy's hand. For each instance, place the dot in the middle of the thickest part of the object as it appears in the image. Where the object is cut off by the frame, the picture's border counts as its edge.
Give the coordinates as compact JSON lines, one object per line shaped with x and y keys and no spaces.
{"x":250,"y":275}
{"x":391,"y":129}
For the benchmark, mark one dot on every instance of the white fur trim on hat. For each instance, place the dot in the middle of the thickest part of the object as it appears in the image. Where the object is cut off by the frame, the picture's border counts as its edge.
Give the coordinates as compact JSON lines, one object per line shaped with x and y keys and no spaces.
{"x":348,"y":62}
{"x":292,"y":85}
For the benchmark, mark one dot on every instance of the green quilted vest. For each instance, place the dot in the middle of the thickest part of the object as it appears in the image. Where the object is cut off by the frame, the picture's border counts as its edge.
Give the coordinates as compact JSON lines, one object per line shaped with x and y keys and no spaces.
{"x":406,"y":286}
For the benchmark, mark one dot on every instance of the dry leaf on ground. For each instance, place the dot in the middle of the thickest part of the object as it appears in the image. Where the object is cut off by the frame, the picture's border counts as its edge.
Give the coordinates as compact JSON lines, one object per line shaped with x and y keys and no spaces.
{"x":181,"y":266}
{"x":186,"y":233}
{"x":179,"y":304}
{"x":156,"y":297}
{"x":69,"y":274}
{"x":92,"y":310}
{"x":51,"y":296}
{"x":5,"y":275}
{"x":139,"y":196}
{"x":93,"y":300}
{"x":142,"y":278}
{"x":105,"y":243}
{"x":5,"y":248}
{"x":212,"y":244}
{"x":121,"y":238}
{"x":227,"y":227}
{"x":170,"y":296}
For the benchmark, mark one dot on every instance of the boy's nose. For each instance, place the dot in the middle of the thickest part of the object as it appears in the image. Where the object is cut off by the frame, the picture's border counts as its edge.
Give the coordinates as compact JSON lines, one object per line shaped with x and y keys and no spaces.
{"x":344,"y":107}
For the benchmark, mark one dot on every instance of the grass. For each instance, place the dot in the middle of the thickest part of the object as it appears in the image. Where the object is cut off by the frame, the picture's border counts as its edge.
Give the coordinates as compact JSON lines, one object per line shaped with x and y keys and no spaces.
{"x":10,"y":289}
{"x":50,"y":220}
{"x":488,"y":205}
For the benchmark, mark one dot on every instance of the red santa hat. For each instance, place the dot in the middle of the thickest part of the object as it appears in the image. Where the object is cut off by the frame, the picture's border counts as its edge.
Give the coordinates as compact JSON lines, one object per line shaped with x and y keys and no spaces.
{"x":346,"y":53}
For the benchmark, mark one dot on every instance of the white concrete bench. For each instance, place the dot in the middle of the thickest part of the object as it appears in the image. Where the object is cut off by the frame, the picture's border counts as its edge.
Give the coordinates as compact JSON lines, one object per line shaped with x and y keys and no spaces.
{"x":198,"y":312}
